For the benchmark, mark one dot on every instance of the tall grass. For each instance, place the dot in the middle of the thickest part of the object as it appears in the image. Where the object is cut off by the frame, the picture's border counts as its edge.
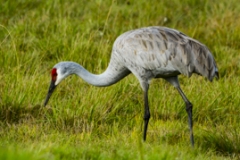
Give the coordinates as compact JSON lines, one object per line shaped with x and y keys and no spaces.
{"x":86,"y":122}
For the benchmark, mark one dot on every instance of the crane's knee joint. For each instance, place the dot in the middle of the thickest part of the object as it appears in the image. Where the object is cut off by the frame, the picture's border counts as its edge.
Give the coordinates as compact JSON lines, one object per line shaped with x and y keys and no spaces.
{"x":189,"y":106}
{"x":147,"y":116}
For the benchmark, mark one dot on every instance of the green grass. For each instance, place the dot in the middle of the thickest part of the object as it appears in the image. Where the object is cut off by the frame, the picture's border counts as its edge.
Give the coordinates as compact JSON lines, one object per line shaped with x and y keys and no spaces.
{"x":86,"y":122}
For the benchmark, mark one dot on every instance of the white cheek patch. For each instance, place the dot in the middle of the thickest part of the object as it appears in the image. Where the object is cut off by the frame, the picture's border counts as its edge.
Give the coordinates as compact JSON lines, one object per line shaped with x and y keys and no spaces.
{"x":59,"y":78}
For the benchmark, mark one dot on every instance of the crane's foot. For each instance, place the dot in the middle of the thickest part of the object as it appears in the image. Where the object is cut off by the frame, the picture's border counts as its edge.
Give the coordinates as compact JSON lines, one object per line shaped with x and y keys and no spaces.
{"x":190,"y":122}
{"x":146,"y":120}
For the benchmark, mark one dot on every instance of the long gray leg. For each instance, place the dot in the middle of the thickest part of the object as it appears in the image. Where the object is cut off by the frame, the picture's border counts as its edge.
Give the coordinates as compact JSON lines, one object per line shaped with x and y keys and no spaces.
{"x":145,"y":87}
{"x":189,"y":111}
{"x":175,"y":83}
{"x":146,"y":115}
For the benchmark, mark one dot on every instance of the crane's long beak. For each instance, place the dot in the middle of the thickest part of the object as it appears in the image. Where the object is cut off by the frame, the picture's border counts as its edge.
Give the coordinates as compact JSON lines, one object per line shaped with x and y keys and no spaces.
{"x":50,"y":91}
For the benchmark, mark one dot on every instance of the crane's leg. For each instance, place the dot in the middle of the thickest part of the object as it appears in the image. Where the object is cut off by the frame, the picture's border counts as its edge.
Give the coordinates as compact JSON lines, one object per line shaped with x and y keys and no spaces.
{"x":175,"y":83}
{"x":146,"y":115}
{"x":189,"y":112}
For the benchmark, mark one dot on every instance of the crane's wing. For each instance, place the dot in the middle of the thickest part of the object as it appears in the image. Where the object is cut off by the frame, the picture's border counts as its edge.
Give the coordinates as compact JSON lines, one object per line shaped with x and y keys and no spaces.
{"x":155,"y":47}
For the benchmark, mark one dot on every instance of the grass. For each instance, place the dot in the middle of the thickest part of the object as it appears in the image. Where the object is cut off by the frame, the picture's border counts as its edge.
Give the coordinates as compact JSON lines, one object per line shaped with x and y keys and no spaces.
{"x":86,"y":122}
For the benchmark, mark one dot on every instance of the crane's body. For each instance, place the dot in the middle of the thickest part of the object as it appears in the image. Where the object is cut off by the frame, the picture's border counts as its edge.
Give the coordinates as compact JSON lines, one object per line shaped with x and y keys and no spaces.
{"x":151,"y":52}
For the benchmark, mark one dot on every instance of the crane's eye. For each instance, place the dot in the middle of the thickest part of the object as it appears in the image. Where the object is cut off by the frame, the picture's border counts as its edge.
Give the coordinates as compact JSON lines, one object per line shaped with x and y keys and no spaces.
{"x":54,"y":74}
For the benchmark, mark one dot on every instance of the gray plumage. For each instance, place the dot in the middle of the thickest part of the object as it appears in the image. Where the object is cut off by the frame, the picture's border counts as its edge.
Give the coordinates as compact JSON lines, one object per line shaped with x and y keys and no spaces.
{"x":151,"y":52}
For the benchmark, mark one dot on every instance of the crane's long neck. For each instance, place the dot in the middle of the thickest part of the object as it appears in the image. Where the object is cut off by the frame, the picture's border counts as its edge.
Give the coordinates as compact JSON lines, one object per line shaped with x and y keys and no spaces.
{"x":110,"y":76}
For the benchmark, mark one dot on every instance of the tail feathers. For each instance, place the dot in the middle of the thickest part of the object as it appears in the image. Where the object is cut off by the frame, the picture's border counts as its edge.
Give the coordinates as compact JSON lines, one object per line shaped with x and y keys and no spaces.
{"x":204,"y":63}
{"x":196,"y":58}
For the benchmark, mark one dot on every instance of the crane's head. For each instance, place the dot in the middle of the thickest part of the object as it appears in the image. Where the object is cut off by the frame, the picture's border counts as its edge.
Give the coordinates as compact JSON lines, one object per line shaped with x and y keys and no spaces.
{"x":58,"y":73}
{"x":53,"y":84}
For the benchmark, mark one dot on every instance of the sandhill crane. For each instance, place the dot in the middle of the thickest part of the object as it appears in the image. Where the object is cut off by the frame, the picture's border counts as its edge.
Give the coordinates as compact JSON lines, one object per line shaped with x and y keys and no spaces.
{"x":150,"y":52}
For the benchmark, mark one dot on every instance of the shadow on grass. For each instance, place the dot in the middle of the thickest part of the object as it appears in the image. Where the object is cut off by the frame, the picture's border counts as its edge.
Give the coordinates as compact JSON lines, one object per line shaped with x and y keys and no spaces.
{"x":14,"y":114}
{"x":223,"y":142}
{"x":60,"y":120}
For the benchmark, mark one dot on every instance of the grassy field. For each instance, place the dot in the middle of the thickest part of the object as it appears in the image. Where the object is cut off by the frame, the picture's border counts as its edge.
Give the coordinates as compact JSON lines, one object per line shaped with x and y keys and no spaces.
{"x":87,"y":122}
